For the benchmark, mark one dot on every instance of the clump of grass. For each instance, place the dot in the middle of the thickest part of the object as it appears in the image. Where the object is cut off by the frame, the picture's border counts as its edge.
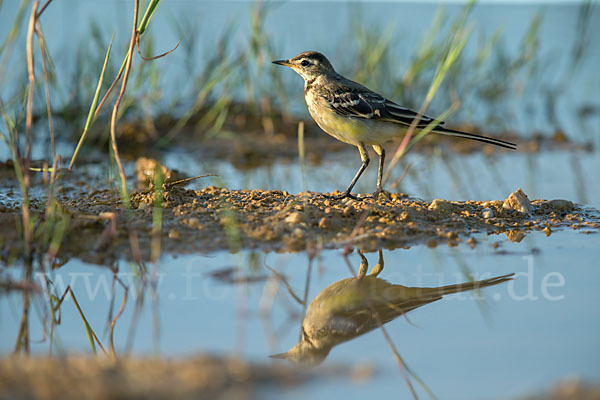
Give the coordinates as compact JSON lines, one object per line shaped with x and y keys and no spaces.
{"x":450,"y":54}
{"x":238,"y":84}
{"x":43,"y":233}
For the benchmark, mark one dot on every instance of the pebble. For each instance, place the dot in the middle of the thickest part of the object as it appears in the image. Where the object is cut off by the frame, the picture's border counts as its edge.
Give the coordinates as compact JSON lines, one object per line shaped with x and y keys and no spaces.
{"x":431,"y":243}
{"x":518,"y":201}
{"x":442,"y":205}
{"x":561,"y":205}
{"x":472,"y":242}
{"x":294,"y":218}
{"x":194,"y":223}
{"x":515,"y":236}
{"x":487,"y":213}
{"x":299,"y":233}
{"x":322,"y":223}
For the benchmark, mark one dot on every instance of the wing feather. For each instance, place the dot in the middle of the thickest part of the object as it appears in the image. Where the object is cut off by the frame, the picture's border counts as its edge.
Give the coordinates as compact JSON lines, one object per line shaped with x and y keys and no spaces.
{"x":366,"y":104}
{"x":351,"y":99}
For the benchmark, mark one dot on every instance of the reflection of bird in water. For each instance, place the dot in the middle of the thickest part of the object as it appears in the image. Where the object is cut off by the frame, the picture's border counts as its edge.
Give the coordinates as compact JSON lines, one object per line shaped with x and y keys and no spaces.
{"x":352,"y":307}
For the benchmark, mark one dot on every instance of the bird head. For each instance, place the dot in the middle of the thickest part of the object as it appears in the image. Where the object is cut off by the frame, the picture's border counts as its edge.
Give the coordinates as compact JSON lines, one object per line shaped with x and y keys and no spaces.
{"x":304,"y":354}
{"x":308,"y":65}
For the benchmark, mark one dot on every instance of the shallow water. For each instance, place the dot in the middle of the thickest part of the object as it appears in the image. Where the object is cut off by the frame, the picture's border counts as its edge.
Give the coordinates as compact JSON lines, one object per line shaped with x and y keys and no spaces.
{"x":545,"y":175}
{"x":522,"y":337}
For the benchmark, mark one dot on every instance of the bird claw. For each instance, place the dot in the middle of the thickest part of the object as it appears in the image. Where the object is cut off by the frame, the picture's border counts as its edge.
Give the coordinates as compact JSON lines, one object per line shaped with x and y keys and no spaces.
{"x":344,"y":196}
{"x":379,"y":192}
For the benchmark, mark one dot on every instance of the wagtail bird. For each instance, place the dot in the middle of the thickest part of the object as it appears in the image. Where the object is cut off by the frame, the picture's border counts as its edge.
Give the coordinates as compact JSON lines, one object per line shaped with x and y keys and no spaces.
{"x":352,"y":307}
{"x":354,"y":114}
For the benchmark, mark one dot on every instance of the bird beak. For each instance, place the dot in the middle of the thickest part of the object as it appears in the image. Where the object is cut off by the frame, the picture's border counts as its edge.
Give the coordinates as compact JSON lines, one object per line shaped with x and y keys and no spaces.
{"x":283,"y":62}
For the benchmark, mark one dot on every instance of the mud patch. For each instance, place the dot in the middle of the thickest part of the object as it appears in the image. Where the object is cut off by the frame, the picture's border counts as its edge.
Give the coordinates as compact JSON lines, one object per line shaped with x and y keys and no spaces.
{"x":148,"y":378}
{"x":101,"y":230}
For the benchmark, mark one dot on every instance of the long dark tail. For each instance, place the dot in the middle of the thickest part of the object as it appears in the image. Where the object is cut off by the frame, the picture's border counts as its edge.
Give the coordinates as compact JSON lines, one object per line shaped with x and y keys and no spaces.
{"x":497,"y":142}
{"x":461,"y":287}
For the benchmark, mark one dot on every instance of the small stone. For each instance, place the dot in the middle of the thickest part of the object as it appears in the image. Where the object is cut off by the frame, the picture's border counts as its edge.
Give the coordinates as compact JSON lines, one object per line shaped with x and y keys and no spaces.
{"x":349,"y":210}
{"x":146,"y":168}
{"x":518,"y":201}
{"x":442,"y":205}
{"x":323,"y":223}
{"x":492,"y":203}
{"x":547,"y":231}
{"x":561,"y":205}
{"x":294,"y":218}
{"x":487,"y":213}
{"x":515,"y":236}
{"x":174,"y":234}
{"x":298,"y":233}
{"x":559,"y":136}
{"x":431,"y":243}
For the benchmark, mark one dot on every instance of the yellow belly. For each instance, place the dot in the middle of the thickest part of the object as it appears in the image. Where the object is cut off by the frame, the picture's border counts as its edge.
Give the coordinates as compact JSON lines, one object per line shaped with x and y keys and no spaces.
{"x":354,"y":130}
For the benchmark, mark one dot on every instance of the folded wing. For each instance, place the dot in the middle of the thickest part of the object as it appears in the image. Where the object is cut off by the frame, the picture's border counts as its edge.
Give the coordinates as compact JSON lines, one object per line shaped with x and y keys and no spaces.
{"x":370,"y":105}
{"x":363,"y":103}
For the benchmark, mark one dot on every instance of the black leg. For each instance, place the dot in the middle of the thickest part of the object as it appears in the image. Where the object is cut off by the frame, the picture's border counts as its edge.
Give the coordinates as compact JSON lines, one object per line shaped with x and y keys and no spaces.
{"x":379,"y":267}
{"x":381,"y":151}
{"x":364,"y":156}
{"x":364,"y":265}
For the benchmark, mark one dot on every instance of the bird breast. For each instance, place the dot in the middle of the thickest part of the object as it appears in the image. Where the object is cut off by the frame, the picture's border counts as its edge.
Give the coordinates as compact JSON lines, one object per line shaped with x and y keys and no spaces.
{"x":351,"y":130}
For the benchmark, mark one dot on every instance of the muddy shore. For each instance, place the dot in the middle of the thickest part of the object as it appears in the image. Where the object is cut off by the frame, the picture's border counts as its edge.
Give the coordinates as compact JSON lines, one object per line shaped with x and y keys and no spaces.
{"x":84,"y":377}
{"x":201,"y":376}
{"x":101,"y":230}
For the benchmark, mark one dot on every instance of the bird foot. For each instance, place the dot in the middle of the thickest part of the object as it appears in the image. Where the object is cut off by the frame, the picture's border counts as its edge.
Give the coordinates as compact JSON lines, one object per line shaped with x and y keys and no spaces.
{"x":380,"y":192}
{"x":343,"y":196}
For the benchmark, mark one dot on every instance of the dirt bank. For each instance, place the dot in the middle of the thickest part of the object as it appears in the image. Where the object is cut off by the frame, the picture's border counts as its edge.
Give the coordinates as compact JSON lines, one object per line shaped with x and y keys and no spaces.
{"x":79,"y":377}
{"x":101,"y":230}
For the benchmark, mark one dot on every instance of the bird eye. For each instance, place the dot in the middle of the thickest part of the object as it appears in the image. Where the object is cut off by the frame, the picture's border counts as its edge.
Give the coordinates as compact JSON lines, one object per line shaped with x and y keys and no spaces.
{"x":304,"y":63}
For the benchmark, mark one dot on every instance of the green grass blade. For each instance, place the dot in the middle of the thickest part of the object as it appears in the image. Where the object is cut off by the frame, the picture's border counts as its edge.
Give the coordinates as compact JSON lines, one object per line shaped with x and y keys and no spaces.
{"x":147,"y":15}
{"x":88,"y":328}
{"x":90,"y":118}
